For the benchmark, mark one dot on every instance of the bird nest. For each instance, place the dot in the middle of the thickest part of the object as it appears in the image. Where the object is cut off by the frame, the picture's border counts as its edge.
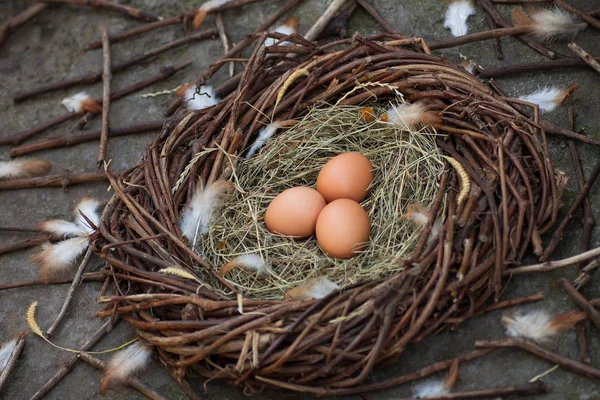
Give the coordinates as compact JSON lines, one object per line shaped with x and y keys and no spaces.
{"x":495,"y":193}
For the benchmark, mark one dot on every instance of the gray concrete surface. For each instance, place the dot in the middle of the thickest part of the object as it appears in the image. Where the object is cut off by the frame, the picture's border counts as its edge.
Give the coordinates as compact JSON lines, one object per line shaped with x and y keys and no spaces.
{"x":49,"y":48}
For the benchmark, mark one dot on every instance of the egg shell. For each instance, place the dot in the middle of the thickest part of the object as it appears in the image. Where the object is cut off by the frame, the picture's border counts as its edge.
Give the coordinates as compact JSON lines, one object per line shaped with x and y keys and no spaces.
{"x":346,"y":176}
{"x":294,"y":212}
{"x":343,"y":228}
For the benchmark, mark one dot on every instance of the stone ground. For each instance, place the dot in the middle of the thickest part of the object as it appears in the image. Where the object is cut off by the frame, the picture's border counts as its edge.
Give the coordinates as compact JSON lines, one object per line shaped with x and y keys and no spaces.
{"x":50,"y":48}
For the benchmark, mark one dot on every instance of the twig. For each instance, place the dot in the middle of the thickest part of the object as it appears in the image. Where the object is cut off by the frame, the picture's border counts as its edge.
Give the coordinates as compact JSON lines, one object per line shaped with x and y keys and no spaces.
{"x":118,"y":37}
{"x":479,"y":36}
{"x":71,"y":361}
{"x":18,"y":229}
{"x":71,"y":293}
{"x":587,"y":18}
{"x":526,"y":389}
{"x":552,"y":265}
{"x":585,"y":305}
{"x":491,"y":17}
{"x":24,"y":244}
{"x":72,"y":140}
{"x":130,"y":381}
{"x":106,"y":77}
{"x":538,"y":351}
{"x":93,"y":77}
{"x":13,"y":24}
{"x":12,"y":359}
{"x":87,"y":277}
{"x":582,"y":340}
{"x":224,"y":40}
{"x":585,"y":56}
{"x":321,"y":23}
{"x":107,"y":5}
{"x":534,"y":67}
{"x":588,"y":218}
{"x":583,"y":193}
{"x":164,"y":73}
{"x":553,"y":130}
{"x":62,"y":180}
{"x":376,"y":16}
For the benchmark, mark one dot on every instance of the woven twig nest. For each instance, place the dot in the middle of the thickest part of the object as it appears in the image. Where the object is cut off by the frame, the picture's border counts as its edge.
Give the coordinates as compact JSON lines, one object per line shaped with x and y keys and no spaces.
{"x":329,"y":345}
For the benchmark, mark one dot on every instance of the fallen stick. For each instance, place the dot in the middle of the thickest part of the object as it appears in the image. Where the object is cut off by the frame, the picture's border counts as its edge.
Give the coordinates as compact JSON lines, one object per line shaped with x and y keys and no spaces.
{"x":13,"y":24}
{"x":526,"y":389}
{"x":321,"y":23}
{"x":12,"y":359}
{"x":552,"y":265}
{"x":560,"y":231}
{"x":127,"y":33}
{"x":540,"y":352}
{"x":582,"y":341}
{"x":71,"y":292}
{"x":479,"y":36}
{"x":107,"y":5}
{"x":164,"y":73}
{"x":534,"y":67}
{"x":62,"y":180}
{"x":376,"y":16}
{"x":553,"y":130}
{"x":87,"y":277}
{"x":70,"y":363}
{"x":24,"y":244}
{"x":94,"y":77}
{"x":106,"y":77}
{"x":585,"y":56}
{"x":585,"y":305}
{"x":129,"y":381}
{"x":72,"y":140}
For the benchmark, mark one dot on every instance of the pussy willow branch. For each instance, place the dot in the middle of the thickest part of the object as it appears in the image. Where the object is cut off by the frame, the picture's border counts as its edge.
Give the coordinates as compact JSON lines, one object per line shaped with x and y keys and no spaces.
{"x":61,"y":180}
{"x":82,"y":137}
{"x":13,"y":24}
{"x":87,"y":277}
{"x":93,"y":77}
{"x":164,"y":73}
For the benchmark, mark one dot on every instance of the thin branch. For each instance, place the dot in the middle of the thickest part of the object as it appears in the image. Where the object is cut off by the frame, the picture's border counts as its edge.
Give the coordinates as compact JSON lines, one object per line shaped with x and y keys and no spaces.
{"x":24,"y":244}
{"x":376,"y":16}
{"x":321,"y":23}
{"x":61,"y":180}
{"x":87,"y":277}
{"x":71,"y":361}
{"x":72,"y":140}
{"x":71,"y":293}
{"x":13,"y":24}
{"x":106,"y":77}
{"x":107,"y":5}
{"x":164,"y":73}
{"x":93,"y":77}
{"x":538,"y":351}
{"x":552,"y":265}
{"x":533,"y":67}
{"x":119,"y":37}
{"x":224,"y":40}
{"x":129,"y":381}
{"x":560,"y":231}
{"x":577,"y":297}
{"x":553,"y":130}
{"x":583,"y":343}
{"x":585,"y":56}
{"x":12,"y":359}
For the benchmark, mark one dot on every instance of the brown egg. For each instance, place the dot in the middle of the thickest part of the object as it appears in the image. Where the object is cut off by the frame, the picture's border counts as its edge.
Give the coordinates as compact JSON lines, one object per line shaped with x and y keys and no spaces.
{"x":346,"y":176}
{"x":294,"y":212}
{"x":343,"y":228}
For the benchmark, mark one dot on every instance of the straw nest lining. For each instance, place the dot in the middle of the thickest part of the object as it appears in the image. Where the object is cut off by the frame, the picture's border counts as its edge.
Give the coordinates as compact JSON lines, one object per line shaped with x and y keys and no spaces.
{"x":327,"y":346}
{"x":407,"y":165}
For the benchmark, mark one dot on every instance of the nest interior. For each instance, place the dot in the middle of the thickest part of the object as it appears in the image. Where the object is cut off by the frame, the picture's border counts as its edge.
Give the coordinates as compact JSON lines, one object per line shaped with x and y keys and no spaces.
{"x":327,"y":346}
{"x":407,"y":164}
